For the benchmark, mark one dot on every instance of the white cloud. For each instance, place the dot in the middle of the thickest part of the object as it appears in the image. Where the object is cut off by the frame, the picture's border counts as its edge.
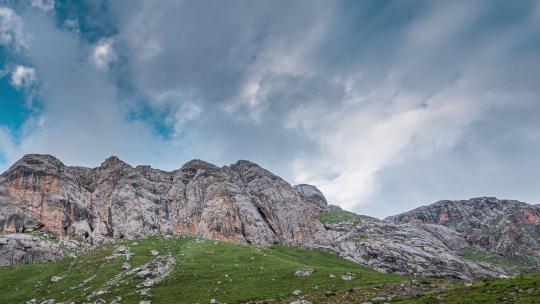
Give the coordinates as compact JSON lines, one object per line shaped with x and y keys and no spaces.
{"x":23,"y":77}
{"x":12,"y":30}
{"x":44,"y":5}
{"x":186,"y":113}
{"x":104,"y":54}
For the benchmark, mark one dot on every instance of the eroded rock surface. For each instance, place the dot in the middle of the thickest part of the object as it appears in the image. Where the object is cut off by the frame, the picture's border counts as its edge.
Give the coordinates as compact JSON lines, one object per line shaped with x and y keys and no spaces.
{"x":238,"y":203}
{"x":420,"y":250}
{"x":18,"y":248}
{"x":506,"y":227}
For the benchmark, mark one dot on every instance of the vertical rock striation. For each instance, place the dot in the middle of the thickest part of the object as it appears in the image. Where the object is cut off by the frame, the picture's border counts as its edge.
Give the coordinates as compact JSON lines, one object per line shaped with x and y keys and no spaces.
{"x":239,"y":203}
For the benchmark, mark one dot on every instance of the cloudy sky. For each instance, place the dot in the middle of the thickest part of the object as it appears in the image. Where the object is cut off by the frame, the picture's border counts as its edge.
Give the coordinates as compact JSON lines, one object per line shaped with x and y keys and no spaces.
{"x":384,"y":105}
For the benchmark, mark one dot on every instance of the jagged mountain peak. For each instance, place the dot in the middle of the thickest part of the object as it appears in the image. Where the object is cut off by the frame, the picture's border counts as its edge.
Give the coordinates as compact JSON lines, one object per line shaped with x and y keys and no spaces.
{"x":312,"y":194}
{"x":38,"y":160}
{"x":196,"y":164}
{"x":113,"y":161}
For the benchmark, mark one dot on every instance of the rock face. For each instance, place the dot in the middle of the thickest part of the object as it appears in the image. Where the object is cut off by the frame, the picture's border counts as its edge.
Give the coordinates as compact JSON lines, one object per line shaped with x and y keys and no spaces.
{"x":18,"y":248}
{"x":505,"y":227}
{"x":420,"y":250}
{"x":238,"y":203}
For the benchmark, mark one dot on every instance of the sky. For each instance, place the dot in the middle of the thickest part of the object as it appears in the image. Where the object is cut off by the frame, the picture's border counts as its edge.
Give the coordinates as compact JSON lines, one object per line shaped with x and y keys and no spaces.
{"x":383,"y":105}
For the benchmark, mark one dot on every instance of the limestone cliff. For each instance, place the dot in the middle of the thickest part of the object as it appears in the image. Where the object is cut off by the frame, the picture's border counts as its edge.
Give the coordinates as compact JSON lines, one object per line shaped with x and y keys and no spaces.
{"x":238,"y":203}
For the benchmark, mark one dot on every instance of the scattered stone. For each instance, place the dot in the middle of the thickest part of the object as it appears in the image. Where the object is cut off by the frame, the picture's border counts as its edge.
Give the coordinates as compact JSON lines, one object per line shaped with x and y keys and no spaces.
{"x":304,"y":272}
{"x":297,"y":292}
{"x":51,"y":301}
{"x":121,"y":249}
{"x":347,"y":277}
{"x":126,"y":266}
{"x":213,"y":301}
{"x":301,"y":301}
{"x":97,"y":293}
{"x":154,"y":252}
{"x":118,"y":300}
{"x":55,"y":279}
{"x":31,"y":301}
{"x":332,"y":276}
{"x":143,"y":274}
{"x":100,"y":301}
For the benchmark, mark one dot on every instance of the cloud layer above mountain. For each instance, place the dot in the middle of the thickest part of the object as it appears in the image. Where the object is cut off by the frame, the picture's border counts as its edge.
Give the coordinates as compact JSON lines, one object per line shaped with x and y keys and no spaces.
{"x":385,"y":105}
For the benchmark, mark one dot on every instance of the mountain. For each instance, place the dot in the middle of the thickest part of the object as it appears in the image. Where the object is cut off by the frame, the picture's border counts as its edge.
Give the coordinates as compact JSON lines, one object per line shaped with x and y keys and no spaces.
{"x":238,"y":203}
{"x":506,"y":227}
{"x":49,"y":211}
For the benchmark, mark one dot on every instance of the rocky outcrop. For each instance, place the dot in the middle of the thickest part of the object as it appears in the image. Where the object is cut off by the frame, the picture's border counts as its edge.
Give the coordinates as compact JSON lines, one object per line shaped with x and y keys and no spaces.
{"x":19,"y":248}
{"x":420,"y":250}
{"x":238,"y":203}
{"x":506,"y":227}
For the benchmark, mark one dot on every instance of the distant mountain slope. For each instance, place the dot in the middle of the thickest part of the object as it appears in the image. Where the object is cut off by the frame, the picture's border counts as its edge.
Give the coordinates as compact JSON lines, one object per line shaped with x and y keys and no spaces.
{"x":506,"y":227}
{"x":421,"y":250}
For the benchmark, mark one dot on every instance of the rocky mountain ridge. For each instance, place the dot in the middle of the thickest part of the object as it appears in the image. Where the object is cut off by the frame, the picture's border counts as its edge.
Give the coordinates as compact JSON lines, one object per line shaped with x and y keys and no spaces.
{"x":238,"y":203}
{"x":243,"y":203}
{"x":506,"y":227}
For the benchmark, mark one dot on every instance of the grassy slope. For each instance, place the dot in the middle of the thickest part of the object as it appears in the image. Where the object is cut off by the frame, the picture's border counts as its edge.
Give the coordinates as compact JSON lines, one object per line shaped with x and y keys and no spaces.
{"x":523,"y":289}
{"x":199,"y":274}
{"x":513,"y":265}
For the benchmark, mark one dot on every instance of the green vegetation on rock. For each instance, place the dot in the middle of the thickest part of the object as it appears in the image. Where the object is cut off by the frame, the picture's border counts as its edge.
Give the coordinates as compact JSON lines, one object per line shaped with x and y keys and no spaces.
{"x":342,"y":216}
{"x":515,"y":264}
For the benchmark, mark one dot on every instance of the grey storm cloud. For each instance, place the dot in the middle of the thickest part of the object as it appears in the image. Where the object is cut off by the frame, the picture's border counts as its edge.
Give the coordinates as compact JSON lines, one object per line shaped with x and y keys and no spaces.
{"x":385,"y":105}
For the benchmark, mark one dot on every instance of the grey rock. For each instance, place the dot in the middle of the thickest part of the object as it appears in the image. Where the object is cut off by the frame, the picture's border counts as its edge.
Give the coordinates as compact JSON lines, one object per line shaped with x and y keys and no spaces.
{"x":312,"y":195}
{"x":240,"y":203}
{"x":347,"y":277}
{"x":421,"y":250}
{"x":506,"y":227}
{"x":301,"y":301}
{"x":18,"y":248}
{"x":143,"y":274}
{"x":304,"y":272}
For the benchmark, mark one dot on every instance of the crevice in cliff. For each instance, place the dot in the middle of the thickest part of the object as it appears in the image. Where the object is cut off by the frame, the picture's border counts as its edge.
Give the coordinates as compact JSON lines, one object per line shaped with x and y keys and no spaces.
{"x":263,"y":216}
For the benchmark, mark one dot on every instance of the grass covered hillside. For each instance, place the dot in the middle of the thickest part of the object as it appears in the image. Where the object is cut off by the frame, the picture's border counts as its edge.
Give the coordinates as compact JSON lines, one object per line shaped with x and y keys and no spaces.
{"x":186,"y":270}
